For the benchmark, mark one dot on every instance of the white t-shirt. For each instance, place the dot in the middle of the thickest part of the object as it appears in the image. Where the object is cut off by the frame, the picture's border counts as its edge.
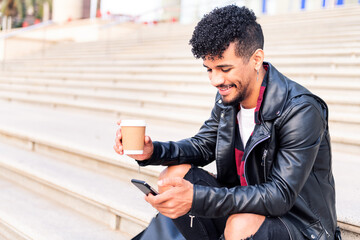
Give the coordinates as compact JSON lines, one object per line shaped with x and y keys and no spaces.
{"x":246,"y":122}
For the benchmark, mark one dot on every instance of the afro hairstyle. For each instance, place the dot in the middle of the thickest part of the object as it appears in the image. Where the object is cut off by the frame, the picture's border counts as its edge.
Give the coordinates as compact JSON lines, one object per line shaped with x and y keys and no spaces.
{"x":222,"y":26}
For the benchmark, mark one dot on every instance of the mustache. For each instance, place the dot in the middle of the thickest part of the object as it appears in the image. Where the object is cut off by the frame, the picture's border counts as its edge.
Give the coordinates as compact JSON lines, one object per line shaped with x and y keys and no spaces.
{"x":225,"y":85}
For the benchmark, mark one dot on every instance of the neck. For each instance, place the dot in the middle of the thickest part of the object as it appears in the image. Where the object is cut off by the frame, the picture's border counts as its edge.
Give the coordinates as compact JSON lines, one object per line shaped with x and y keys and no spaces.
{"x":251,"y":100}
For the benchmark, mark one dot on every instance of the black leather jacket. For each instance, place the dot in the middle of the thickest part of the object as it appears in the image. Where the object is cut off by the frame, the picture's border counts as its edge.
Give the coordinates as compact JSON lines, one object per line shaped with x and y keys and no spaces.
{"x":287,"y":161}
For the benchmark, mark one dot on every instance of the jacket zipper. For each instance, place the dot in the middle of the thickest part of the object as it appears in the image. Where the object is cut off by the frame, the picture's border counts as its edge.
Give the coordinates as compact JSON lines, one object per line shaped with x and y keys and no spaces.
{"x":247,"y":155}
{"x":327,"y":233}
{"x":263,"y":163}
{"x":191,"y":220}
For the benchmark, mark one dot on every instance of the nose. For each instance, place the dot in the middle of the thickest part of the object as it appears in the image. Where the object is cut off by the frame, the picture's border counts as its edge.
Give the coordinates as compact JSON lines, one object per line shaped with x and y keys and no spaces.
{"x":216,"y":79}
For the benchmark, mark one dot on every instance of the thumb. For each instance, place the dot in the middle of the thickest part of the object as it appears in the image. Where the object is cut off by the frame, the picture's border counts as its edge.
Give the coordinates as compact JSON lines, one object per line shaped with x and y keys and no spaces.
{"x":173,"y":182}
{"x":147,"y":140}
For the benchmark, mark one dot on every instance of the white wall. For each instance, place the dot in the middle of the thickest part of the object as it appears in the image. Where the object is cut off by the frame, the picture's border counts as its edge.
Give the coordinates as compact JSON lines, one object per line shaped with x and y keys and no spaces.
{"x":66,"y":9}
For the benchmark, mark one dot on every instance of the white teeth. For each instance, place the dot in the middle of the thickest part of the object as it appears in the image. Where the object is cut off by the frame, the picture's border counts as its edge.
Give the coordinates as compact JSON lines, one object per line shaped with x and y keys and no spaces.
{"x":225,"y":88}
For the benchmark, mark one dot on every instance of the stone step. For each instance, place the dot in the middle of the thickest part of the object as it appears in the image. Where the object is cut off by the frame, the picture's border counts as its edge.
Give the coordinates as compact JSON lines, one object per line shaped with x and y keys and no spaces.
{"x":303,"y":63}
{"x":345,"y":170}
{"x":176,"y":60}
{"x":122,"y":98}
{"x":177,"y":75}
{"x":115,"y":203}
{"x":77,"y":138}
{"x":314,"y":53}
{"x":155,"y":87}
{"x":163,"y":116}
{"x":293,"y":54}
{"x":302,"y":43}
{"x":339,"y":95}
{"x":334,"y":93}
{"x":189,"y":65}
{"x":25,"y":215}
{"x":316,"y":80}
{"x":84,"y":138}
{"x":161,"y":111}
{"x":194,"y":70}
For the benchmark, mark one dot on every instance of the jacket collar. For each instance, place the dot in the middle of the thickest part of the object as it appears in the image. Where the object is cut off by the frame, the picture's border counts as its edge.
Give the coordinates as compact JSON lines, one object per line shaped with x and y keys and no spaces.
{"x":275,"y":94}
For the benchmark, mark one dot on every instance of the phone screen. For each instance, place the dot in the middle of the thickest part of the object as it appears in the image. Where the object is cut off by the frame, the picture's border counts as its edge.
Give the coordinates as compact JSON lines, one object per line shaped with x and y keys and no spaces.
{"x":144,"y":187}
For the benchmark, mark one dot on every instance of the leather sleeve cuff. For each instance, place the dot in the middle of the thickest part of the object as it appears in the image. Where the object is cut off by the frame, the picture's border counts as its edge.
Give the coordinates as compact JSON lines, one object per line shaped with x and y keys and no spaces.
{"x":211,"y":202}
{"x":154,"y":159}
{"x":199,"y":206}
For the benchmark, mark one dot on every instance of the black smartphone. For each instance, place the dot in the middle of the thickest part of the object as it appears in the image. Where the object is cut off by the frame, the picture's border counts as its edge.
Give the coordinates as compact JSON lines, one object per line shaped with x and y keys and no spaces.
{"x":144,"y":187}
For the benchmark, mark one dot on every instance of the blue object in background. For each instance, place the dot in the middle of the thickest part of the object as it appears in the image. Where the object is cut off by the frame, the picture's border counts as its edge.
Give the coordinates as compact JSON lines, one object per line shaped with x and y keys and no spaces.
{"x":264,"y":10}
{"x":303,"y":4}
{"x":324,"y":3}
{"x":340,"y":2}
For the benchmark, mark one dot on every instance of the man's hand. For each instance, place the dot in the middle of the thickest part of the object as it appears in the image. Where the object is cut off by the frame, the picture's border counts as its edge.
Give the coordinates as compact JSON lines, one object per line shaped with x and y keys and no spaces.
{"x":148,"y":146}
{"x":174,"y":202}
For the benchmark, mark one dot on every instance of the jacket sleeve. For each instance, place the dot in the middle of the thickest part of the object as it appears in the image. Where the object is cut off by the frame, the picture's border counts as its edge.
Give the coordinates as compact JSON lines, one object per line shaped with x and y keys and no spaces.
{"x":198,"y":150}
{"x":299,"y":133}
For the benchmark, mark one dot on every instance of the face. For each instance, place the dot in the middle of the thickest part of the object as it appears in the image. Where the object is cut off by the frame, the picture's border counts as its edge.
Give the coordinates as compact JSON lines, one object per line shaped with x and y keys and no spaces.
{"x":231,"y":76}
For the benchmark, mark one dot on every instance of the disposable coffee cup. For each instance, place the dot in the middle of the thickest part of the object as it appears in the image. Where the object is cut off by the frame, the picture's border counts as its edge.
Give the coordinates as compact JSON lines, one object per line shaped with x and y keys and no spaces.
{"x":133,"y":136}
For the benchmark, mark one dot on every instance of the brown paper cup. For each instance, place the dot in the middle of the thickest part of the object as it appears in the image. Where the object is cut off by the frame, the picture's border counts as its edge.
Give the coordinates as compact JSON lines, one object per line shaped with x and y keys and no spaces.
{"x":133,"y":136}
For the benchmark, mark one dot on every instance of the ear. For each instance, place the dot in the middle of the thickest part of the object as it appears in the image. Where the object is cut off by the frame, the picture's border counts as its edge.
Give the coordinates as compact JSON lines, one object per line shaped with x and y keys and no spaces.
{"x":258,"y":58}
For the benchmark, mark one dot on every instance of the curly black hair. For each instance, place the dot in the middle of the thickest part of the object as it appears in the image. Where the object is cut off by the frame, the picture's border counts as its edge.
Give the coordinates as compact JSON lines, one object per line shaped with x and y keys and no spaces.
{"x":222,"y":26}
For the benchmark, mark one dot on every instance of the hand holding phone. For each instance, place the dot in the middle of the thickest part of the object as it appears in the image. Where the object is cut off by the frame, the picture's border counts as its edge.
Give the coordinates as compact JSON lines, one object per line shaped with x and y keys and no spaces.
{"x":144,"y":187}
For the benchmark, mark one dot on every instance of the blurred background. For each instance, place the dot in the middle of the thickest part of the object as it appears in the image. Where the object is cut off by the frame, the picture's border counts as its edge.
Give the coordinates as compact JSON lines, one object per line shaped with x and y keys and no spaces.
{"x":22,"y":13}
{"x":70,"y":69}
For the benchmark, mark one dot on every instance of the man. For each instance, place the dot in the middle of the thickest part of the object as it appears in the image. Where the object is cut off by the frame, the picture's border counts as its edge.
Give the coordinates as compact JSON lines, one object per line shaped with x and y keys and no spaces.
{"x":268,"y":135}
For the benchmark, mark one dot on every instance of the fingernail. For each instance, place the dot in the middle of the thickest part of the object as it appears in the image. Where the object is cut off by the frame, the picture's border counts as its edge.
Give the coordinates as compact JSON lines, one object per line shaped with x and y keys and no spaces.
{"x":160,"y":182}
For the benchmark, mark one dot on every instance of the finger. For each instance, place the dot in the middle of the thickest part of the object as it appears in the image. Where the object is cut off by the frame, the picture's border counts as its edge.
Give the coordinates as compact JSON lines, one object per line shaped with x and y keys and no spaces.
{"x":147,"y":139}
{"x":116,"y":149}
{"x":158,"y":201}
{"x":174,"y":182}
{"x":150,"y":199}
{"x":118,"y":133}
{"x":118,"y":138}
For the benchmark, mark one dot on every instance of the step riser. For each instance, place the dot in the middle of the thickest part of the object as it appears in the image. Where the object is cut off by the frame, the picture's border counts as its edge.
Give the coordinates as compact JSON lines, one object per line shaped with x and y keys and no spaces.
{"x":346,"y":235}
{"x":190,"y":93}
{"x":168,"y":120}
{"x":159,"y":99}
{"x":90,"y":209}
{"x":134,"y":103}
{"x":349,"y":232}
{"x":200,"y":81}
{"x":108,"y":167}
{"x":8,"y":232}
{"x":121,"y":169}
{"x":153,"y":87}
{"x":165,"y":119}
{"x":196,"y":69}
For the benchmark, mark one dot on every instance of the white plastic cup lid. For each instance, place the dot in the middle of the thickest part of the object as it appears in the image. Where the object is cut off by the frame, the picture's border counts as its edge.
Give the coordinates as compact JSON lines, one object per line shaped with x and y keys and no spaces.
{"x":134,"y":123}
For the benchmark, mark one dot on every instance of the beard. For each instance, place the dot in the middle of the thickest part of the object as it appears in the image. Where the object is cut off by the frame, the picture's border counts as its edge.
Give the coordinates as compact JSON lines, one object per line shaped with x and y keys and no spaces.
{"x":238,"y":98}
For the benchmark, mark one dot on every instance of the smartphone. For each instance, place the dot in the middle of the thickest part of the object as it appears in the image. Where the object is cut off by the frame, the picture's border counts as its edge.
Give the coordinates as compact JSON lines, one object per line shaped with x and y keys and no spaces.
{"x":144,"y":187}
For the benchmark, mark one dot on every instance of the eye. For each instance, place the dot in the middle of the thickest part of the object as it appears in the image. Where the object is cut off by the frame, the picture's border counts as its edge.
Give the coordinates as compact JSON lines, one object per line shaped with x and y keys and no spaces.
{"x":226,"y":70}
{"x":209,"y":70}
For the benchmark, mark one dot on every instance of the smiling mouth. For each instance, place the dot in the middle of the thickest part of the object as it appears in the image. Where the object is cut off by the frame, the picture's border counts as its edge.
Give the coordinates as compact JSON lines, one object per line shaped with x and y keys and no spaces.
{"x":226,"y":87}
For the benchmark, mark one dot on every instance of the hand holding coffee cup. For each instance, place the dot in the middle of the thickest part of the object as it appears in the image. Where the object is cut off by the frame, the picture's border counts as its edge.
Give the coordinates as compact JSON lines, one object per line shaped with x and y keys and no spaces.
{"x":131,"y":140}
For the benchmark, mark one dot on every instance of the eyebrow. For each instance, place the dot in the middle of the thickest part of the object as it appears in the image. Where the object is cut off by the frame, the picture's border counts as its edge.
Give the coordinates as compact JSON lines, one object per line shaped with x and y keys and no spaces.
{"x":220,"y":66}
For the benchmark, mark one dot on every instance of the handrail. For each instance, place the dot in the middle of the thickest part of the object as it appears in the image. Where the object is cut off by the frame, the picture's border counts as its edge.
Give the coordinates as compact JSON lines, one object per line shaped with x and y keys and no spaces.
{"x":26,"y":29}
{"x":6,"y":37}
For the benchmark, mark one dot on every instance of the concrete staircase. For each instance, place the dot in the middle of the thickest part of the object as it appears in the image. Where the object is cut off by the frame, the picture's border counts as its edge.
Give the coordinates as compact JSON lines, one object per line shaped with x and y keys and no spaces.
{"x":59,"y":176}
